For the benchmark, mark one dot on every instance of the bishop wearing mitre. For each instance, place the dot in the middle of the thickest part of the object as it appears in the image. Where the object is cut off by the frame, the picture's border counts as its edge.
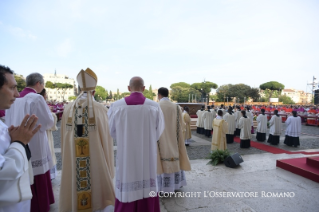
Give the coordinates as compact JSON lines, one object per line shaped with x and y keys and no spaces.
{"x":87,"y":152}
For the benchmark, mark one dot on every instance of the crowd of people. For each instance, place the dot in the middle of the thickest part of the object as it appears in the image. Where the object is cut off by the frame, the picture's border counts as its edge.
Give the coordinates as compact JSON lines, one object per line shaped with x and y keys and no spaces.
{"x":239,"y":121}
{"x":150,"y":136}
{"x":151,"y":143}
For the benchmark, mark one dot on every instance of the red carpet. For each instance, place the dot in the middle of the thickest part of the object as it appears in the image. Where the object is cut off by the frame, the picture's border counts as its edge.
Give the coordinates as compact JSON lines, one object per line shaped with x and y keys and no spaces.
{"x":272,"y":149}
{"x":306,"y":167}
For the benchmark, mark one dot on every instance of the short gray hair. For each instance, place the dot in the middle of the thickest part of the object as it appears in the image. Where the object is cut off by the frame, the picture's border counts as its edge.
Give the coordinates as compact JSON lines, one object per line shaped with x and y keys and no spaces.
{"x":33,"y":78}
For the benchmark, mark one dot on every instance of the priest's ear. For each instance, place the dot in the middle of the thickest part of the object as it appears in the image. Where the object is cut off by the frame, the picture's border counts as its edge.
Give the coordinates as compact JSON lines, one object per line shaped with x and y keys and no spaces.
{"x":93,"y":92}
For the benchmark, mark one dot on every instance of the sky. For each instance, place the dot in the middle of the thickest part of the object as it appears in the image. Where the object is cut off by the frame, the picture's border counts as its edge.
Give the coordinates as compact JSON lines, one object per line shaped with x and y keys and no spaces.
{"x":164,"y":42}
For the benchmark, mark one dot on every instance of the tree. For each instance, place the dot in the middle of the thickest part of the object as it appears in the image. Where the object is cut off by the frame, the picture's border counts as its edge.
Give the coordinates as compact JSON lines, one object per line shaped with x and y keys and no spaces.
{"x":204,"y":87}
{"x":241,"y":91}
{"x":149,"y":93}
{"x":254,"y":94}
{"x":49,"y":84}
{"x":20,"y":82}
{"x":223,"y":91}
{"x":100,"y":93}
{"x":182,"y":92}
{"x":272,"y":86}
{"x":110,"y":96}
{"x":125,"y":94}
{"x":286,"y":99}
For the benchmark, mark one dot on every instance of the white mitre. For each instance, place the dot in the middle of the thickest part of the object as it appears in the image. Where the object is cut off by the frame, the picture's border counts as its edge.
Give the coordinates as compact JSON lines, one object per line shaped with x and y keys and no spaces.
{"x":87,"y":81}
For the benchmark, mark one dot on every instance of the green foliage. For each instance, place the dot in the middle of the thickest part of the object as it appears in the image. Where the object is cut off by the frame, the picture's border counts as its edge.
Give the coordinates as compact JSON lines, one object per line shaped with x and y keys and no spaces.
{"x":214,"y":97}
{"x":125,"y":94}
{"x":240,"y":91}
{"x":272,"y":85}
{"x":100,"y":93}
{"x":263,"y":99}
{"x":218,"y":156}
{"x":286,"y":99}
{"x":254,"y":94}
{"x":20,"y":82}
{"x":182,"y":92}
{"x":204,"y":87}
{"x":72,"y":98}
{"x":110,"y":96}
{"x":223,"y":91}
{"x":51,"y":85}
{"x":149,"y":93}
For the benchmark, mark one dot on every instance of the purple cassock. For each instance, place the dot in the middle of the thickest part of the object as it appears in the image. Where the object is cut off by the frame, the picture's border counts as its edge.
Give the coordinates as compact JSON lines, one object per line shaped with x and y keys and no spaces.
{"x":2,"y":113}
{"x":150,"y":204}
{"x":42,"y":193}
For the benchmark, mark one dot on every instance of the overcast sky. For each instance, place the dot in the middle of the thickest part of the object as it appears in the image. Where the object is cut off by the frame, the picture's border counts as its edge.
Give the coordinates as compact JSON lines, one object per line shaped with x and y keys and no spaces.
{"x":225,"y":41}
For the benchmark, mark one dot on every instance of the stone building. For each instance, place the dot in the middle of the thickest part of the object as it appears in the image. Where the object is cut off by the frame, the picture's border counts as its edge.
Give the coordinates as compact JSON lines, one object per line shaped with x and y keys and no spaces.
{"x":298,"y":96}
{"x":60,"y":94}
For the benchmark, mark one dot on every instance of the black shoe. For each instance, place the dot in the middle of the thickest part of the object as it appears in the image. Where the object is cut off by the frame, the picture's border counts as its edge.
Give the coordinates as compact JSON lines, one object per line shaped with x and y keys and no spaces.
{"x":186,"y":144}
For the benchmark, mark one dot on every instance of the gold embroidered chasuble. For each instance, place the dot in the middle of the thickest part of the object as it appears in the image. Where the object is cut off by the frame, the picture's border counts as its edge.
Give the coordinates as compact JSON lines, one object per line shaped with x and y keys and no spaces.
{"x":87,"y":161}
{"x":171,"y":152}
{"x":220,"y":129}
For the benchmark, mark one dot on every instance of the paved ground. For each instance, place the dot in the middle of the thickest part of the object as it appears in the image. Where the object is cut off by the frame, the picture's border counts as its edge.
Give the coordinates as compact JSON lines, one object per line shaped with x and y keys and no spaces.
{"x":257,"y":174}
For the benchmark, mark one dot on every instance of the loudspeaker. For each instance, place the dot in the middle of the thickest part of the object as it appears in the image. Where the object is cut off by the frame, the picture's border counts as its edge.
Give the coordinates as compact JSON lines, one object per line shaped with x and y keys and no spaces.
{"x":233,"y":160}
{"x":316,"y":96}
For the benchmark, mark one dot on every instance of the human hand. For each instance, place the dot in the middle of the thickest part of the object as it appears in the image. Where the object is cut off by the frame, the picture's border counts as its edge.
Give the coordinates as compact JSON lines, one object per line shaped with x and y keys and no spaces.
{"x":25,"y":131}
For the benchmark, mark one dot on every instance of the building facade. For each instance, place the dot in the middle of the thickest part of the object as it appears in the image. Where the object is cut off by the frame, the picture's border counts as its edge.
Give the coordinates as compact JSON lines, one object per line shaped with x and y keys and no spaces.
{"x":298,"y":96}
{"x":60,"y":94}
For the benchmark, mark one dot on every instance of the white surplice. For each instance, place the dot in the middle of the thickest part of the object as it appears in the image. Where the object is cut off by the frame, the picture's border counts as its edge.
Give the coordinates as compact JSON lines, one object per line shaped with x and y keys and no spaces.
{"x":237,"y":115}
{"x":230,"y":119}
{"x":200,"y":121}
{"x":262,"y":123}
{"x":208,"y":118}
{"x":245,"y":126}
{"x":30,"y":104}
{"x":250,"y":115}
{"x":14,"y":175}
{"x":136,"y":128}
{"x":275,"y":125}
{"x":293,"y":126}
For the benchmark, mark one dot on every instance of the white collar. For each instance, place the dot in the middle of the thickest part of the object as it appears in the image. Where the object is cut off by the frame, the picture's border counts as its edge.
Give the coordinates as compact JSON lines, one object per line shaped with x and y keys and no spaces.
{"x":165,"y":99}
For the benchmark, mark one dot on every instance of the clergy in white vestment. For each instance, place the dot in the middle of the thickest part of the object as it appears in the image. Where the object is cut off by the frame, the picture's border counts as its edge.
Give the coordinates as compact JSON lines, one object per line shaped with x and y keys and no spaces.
{"x":32,"y":103}
{"x":50,"y":138}
{"x":87,"y":152}
{"x":173,"y":159}
{"x":293,"y":130}
{"x":208,"y":117}
{"x":245,"y":130}
{"x":262,"y":126}
{"x":229,"y":117}
{"x":15,"y":167}
{"x":237,"y":117}
{"x":136,"y":124}
{"x":219,"y":134}
{"x":275,"y":129}
{"x":250,"y":115}
{"x":200,"y":122}
{"x":187,"y":121}
{"x":222,"y":108}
